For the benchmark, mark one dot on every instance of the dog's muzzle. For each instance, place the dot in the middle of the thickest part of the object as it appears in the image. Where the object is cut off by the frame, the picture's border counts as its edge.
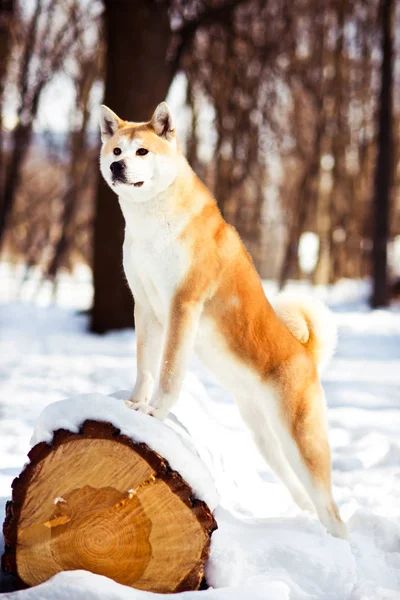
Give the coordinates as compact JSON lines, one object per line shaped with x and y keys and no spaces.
{"x":117,"y":169}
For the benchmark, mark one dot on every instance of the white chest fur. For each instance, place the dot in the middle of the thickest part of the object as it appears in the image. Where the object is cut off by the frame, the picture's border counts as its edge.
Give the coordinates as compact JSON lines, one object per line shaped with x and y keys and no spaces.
{"x":155,"y":260}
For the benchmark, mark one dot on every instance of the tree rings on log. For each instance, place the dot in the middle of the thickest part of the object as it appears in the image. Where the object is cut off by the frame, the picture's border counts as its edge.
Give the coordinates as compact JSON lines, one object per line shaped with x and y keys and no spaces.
{"x":98,"y":501}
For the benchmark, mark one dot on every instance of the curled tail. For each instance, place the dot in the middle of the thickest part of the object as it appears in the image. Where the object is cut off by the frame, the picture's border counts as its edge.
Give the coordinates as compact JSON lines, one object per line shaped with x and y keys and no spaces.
{"x":311,"y":322}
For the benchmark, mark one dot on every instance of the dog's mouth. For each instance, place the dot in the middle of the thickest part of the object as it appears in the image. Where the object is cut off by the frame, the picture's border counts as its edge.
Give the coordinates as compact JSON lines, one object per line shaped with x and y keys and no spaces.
{"x":119,"y":180}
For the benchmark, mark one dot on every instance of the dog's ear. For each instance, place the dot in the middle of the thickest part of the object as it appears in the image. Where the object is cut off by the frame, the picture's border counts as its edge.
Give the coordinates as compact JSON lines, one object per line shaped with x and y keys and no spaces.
{"x":109,"y":123}
{"x":163,"y":122}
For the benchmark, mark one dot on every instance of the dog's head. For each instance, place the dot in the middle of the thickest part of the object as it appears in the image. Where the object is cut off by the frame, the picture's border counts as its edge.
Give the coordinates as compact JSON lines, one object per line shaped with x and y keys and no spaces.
{"x":138,"y":160}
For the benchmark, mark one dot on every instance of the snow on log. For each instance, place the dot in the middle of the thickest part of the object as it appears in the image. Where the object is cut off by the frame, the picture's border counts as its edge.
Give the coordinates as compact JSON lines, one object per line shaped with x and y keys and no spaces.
{"x":98,"y":495}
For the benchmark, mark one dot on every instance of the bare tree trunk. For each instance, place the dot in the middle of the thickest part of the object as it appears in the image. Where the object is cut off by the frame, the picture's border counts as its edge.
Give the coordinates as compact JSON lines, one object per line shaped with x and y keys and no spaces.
{"x":22,"y":133}
{"x":6,"y":18}
{"x":78,"y":170}
{"x":323,"y":273}
{"x":380,"y":294}
{"x":138,"y":78}
{"x":290,"y":259}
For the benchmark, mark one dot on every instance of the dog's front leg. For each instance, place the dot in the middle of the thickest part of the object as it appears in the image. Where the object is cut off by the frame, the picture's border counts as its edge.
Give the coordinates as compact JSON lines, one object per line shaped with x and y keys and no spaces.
{"x":149,"y":340}
{"x":181,"y":334}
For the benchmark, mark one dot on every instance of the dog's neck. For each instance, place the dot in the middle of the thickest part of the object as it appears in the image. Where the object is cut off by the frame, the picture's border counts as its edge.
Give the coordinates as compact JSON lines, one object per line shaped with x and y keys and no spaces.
{"x":180,"y":196}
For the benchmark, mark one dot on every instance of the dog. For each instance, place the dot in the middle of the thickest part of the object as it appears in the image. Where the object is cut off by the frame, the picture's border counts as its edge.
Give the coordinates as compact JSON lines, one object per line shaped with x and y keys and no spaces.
{"x":195,"y":287}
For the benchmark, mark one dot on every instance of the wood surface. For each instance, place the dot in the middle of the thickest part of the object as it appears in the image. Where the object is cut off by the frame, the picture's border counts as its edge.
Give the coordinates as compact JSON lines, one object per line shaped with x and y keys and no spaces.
{"x":98,"y":501}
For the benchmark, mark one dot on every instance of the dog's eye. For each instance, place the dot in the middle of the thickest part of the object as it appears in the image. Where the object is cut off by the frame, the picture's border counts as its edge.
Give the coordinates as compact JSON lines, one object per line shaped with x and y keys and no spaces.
{"x":117,"y":151}
{"x":142,"y":152}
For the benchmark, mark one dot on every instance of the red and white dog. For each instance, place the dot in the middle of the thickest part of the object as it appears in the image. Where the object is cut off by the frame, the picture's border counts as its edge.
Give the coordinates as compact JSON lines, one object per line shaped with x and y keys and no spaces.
{"x":195,"y":287}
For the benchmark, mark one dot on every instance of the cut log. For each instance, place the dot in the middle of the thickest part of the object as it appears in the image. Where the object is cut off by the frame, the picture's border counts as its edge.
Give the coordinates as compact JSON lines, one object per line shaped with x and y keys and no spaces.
{"x":96,"y":500}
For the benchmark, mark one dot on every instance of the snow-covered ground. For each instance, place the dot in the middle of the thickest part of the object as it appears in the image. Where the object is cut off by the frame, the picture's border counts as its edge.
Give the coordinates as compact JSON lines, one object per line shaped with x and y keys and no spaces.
{"x":265,"y":548}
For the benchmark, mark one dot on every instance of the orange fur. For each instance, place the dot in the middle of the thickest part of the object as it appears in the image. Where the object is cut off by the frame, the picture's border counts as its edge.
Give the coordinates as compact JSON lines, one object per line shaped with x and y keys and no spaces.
{"x":220,"y":270}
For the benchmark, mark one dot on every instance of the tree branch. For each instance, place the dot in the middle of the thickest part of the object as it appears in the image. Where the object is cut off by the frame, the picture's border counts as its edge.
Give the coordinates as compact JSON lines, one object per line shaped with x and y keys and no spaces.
{"x":217,"y":14}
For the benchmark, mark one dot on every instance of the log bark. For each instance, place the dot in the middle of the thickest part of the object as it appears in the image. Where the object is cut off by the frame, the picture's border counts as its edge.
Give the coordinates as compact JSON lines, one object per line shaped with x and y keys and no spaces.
{"x":98,"y":501}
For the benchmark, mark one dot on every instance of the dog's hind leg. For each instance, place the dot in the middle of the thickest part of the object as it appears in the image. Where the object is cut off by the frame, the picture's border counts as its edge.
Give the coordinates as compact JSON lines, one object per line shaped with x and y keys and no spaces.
{"x":271,"y":450}
{"x":300,"y":424}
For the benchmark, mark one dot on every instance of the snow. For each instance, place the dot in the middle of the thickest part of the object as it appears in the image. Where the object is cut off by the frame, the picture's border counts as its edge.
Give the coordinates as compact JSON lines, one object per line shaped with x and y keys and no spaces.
{"x":265,"y":546}
{"x":87,"y":586}
{"x":70,"y":414}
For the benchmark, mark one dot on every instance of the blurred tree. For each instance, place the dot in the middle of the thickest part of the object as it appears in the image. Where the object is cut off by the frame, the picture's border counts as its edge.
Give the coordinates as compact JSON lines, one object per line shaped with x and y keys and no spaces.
{"x":305,"y":76}
{"x":234,"y":64}
{"x":45,"y":47}
{"x":384,"y":163}
{"x":48,"y":221}
{"x":6,"y":27}
{"x":331,"y":77}
{"x":81,"y":155}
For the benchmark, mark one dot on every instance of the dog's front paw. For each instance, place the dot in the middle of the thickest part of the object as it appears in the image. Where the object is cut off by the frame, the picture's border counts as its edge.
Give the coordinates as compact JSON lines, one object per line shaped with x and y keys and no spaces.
{"x":159,"y":413}
{"x":132,"y":404}
{"x":139,"y":406}
{"x":146,"y":409}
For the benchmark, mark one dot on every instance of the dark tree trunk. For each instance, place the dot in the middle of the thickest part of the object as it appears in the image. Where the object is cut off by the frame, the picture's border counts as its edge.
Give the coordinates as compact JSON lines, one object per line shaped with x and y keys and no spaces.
{"x":6,"y":16}
{"x":290,"y":259}
{"x":138,"y":77}
{"x":6,"y":20}
{"x":21,"y":138}
{"x":383,"y":172}
{"x":304,"y":201}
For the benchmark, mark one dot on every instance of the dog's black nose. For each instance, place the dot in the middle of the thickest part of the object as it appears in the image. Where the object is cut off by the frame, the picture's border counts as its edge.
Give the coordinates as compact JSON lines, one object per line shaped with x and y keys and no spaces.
{"x":116,"y":167}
